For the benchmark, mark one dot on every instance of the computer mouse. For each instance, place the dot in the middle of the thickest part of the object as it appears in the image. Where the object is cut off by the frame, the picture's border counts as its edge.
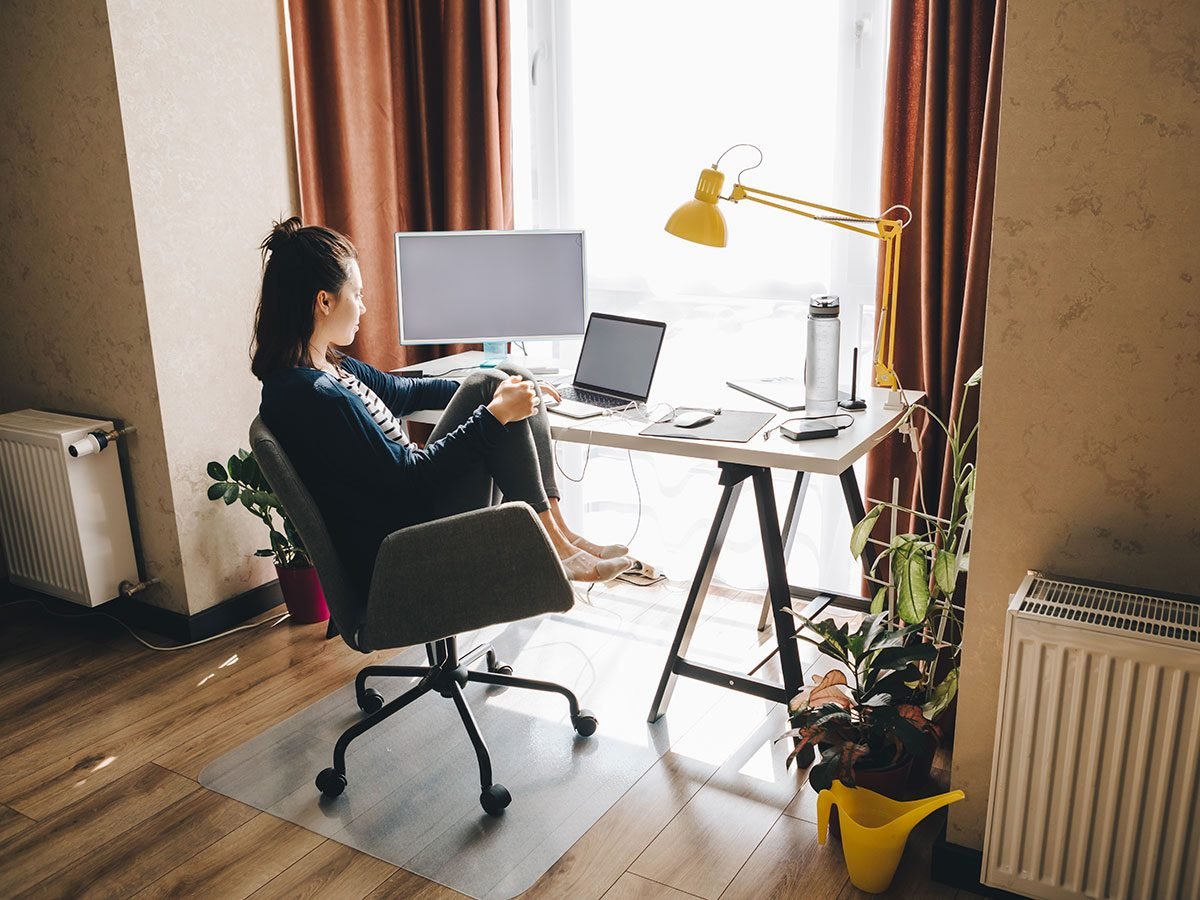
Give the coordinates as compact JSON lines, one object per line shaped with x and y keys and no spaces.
{"x":692,"y":418}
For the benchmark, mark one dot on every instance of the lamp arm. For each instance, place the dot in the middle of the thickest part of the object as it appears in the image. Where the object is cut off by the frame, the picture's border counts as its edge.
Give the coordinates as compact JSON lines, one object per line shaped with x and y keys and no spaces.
{"x":886,"y":230}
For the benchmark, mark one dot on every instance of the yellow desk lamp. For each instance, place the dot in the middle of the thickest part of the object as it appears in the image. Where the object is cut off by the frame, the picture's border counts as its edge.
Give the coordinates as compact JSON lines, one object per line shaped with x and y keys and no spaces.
{"x":700,"y":220}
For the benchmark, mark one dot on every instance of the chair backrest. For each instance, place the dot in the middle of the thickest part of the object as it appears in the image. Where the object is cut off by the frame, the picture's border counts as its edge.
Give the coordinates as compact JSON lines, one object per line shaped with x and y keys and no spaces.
{"x":346,"y":607}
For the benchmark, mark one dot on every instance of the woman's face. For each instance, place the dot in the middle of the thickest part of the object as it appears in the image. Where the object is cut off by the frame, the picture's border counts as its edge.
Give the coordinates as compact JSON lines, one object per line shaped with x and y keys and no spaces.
{"x":341,"y":315}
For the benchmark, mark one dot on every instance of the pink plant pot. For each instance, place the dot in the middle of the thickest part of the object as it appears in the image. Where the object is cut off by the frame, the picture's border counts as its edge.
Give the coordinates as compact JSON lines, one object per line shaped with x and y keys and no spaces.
{"x":302,"y":595}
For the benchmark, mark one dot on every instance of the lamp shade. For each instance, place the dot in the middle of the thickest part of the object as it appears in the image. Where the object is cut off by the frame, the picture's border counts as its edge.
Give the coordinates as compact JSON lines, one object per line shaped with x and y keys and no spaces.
{"x":699,"y":220}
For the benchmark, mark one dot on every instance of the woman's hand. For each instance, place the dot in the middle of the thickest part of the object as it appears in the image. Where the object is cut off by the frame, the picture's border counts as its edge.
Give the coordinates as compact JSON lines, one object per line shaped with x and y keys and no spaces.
{"x":515,"y":399}
{"x":548,"y":388}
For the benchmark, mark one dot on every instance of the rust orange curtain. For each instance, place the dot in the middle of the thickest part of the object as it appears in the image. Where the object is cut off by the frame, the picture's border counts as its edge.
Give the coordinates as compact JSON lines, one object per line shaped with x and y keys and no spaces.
{"x":939,"y":158}
{"x":402,"y":124}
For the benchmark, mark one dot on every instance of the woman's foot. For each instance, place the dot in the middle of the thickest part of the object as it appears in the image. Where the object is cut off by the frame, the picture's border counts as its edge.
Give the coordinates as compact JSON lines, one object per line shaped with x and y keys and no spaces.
{"x":600,"y":551}
{"x":605,"y":551}
{"x":583,"y":566}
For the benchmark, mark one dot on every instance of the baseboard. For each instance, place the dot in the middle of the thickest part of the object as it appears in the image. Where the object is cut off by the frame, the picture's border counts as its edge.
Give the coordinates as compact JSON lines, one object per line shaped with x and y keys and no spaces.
{"x":961,"y":867}
{"x":176,"y":626}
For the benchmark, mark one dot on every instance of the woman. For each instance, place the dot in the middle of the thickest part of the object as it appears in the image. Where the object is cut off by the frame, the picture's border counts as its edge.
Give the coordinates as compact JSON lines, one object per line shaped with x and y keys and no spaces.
{"x":337,"y":418}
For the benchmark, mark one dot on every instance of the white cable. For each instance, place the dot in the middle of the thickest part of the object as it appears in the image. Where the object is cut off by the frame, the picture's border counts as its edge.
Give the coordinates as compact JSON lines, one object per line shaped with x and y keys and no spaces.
{"x":93,"y":615}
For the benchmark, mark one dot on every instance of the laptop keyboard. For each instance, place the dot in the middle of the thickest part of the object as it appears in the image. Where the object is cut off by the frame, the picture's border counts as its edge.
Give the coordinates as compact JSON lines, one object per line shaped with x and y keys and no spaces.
{"x":579,"y":395}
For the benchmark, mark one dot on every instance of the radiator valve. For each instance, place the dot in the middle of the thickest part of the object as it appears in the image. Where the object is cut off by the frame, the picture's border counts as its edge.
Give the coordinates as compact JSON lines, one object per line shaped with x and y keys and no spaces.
{"x":97,"y":441}
{"x":129,"y":588}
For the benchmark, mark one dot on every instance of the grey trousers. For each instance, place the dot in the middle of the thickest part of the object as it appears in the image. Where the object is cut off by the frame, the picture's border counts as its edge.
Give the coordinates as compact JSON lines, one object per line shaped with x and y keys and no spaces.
{"x":520,"y":468}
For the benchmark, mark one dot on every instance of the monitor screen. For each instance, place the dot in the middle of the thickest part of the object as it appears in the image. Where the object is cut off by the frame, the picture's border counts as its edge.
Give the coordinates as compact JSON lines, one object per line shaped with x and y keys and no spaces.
{"x":470,"y":286}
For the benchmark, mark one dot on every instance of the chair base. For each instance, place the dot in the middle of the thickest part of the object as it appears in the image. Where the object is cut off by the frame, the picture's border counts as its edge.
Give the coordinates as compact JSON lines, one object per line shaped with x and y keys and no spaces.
{"x":446,"y":674}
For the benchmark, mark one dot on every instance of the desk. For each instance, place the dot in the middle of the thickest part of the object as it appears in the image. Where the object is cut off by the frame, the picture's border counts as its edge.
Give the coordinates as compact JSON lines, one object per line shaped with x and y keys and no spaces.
{"x":737,"y":464}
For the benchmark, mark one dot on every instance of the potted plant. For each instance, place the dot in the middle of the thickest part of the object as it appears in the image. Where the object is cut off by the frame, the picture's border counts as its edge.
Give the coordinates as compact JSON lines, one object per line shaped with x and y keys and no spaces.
{"x":865,"y":729}
{"x":924,"y":569}
{"x":241,"y":480}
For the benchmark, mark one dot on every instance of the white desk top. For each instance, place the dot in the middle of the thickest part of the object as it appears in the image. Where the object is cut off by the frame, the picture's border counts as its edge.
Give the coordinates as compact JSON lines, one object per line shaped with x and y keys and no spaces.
{"x":824,"y":456}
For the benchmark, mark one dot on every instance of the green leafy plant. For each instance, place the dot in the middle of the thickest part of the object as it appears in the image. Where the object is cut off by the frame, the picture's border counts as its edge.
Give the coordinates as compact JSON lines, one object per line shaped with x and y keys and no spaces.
{"x":241,"y":480}
{"x":864,"y":722}
{"x":921,"y":568}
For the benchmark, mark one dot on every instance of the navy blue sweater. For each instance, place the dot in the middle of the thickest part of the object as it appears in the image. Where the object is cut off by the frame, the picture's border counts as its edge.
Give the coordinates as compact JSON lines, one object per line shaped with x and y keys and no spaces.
{"x":365,"y":484}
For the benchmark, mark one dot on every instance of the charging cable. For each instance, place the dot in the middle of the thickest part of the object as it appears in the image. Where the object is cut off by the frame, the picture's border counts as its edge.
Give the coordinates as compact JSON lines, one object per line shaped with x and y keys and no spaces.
{"x":274,"y":620}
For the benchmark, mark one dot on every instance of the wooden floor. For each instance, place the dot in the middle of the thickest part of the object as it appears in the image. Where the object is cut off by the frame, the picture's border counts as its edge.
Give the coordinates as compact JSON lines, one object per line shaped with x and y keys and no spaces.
{"x":102,"y":741}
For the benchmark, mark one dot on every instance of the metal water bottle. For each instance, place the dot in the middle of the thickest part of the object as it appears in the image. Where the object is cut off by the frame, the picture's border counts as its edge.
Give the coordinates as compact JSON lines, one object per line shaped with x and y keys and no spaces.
{"x":821,"y":356}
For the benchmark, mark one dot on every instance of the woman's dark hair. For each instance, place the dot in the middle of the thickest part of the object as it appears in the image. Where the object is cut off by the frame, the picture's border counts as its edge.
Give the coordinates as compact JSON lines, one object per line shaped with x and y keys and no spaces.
{"x":299,"y":261}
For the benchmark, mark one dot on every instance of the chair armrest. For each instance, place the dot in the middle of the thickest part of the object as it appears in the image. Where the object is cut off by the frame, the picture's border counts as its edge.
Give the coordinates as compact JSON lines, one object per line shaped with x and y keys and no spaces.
{"x":461,"y":573}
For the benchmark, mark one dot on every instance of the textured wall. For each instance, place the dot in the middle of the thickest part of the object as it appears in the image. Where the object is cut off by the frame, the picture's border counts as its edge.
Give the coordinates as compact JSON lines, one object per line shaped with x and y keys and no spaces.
{"x":75,"y":334}
{"x":206,"y":113}
{"x":1091,"y":397}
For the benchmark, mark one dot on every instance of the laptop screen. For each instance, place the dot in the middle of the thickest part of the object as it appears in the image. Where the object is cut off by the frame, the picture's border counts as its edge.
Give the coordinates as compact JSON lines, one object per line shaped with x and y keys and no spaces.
{"x":619,"y":355}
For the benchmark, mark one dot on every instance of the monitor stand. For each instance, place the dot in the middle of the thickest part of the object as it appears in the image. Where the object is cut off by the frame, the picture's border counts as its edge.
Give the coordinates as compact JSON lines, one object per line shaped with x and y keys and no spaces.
{"x":458,"y":365}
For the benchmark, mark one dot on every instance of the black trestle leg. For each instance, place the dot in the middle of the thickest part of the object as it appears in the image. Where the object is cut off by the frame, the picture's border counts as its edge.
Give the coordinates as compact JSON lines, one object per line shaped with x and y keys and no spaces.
{"x":481,"y":750}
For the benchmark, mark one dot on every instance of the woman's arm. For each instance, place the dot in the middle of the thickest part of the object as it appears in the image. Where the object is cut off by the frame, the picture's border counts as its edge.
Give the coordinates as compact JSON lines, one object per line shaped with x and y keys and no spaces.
{"x":403,"y":395}
{"x":337,"y":429}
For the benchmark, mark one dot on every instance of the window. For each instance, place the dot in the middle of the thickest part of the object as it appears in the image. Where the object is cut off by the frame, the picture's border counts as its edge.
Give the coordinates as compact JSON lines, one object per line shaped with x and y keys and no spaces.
{"x":618,"y":105}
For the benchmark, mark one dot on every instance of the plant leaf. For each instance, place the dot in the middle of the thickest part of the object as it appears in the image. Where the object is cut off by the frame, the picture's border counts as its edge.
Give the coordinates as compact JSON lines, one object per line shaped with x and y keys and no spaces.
{"x":242,"y":454}
{"x":264,"y":553}
{"x":862,"y":531}
{"x":899,"y":657}
{"x":249,"y":472}
{"x":235,"y":468}
{"x":821,"y":775}
{"x":945,"y":571}
{"x":877,"y":604}
{"x":292,"y":534}
{"x":910,"y":575}
{"x":231,"y":493}
{"x":976,"y":378}
{"x":942,"y":695}
{"x":826,"y":689}
{"x":216,"y":490}
{"x":216,"y":472}
{"x":969,"y":499}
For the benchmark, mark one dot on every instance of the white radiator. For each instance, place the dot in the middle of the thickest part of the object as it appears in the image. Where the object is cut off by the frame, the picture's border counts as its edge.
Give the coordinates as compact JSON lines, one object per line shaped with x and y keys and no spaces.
{"x":63,"y":519}
{"x":1097,"y":754}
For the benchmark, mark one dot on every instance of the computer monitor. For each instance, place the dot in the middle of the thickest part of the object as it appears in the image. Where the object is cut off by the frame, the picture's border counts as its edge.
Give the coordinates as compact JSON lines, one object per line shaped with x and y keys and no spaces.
{"x":485,"y":286}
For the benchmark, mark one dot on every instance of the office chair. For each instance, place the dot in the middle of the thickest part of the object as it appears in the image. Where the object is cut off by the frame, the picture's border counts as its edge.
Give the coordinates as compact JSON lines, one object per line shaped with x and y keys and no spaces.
{"x":431,"y":582}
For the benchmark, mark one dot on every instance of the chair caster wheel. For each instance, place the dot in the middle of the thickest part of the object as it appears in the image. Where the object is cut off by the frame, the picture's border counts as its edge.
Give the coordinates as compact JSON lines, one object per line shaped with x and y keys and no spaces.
{"x":494,"y":799}
{"x":585,"y":723}
{"x":371,"y":701}
{"x":501,"y":668}
{"x":331,"y":783}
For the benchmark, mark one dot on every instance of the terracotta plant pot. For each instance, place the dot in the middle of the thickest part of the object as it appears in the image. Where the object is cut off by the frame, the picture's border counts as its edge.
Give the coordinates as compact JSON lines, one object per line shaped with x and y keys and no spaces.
{"x":302,"y":594}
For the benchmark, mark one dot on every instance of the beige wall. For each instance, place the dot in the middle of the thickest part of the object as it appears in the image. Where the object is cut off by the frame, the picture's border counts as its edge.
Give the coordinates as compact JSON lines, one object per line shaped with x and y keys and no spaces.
{"x":143,"y":159}
{"x":75,"y":334}
{"x":1091,"y":398}
{"x":206,"y":113}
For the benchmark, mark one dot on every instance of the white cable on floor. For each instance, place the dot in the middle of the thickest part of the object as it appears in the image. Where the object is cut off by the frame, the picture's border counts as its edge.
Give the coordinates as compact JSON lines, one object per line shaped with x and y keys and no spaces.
{"x":92,"y":615}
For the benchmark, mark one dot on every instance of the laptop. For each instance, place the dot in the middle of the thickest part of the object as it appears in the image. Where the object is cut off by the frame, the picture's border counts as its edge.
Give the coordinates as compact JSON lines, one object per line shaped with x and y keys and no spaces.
{"x":616,"y":366}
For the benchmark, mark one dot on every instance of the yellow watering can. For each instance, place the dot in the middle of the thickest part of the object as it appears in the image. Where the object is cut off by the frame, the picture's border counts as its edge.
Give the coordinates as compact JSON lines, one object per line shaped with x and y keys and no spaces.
{"x":874,"y":830}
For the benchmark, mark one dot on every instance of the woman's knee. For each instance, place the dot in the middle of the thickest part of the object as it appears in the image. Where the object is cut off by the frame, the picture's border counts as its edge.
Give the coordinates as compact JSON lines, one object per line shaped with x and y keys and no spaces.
{"x":512,"y":368}
{"x":484,"y":381}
